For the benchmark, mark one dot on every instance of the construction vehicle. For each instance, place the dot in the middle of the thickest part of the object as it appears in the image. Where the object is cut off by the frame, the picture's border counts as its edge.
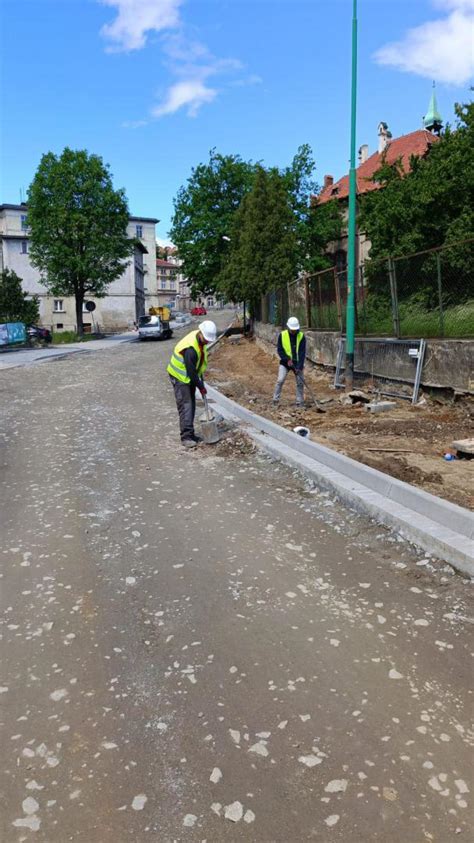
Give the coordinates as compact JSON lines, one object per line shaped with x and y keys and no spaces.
{"x":155,"y":326}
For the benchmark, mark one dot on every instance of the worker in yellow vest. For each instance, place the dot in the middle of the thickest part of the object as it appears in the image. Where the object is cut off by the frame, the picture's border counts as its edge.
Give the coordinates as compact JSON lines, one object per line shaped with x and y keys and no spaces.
{"x":186,"y":369}
{"x":292,"y":353}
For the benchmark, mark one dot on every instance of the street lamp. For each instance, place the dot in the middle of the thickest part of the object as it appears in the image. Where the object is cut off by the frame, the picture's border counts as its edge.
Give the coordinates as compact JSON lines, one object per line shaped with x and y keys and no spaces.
{"x":351,"y":246}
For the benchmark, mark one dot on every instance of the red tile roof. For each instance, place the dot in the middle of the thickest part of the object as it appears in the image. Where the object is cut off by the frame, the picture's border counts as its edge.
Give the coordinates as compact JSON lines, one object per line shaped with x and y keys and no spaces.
{"x":167,"y":264}
{"x":416,"y":143}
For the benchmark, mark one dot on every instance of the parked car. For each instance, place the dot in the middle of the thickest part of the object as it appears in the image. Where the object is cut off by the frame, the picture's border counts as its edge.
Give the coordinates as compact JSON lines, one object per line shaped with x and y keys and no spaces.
{"x":154,"y":328}
{"x":36,"y":333}
{"x":199,"y":311}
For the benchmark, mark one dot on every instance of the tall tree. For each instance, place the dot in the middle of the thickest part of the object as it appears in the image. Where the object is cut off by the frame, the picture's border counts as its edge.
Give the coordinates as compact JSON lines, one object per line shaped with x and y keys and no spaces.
{"x":204,"y":209}
{"x":433,"y":205}
{"x":301,"y":184}
{"x":263,"y":247}
{"x":324,"y":226}
{"x":15,"y":306}
{"x":78,"y":225}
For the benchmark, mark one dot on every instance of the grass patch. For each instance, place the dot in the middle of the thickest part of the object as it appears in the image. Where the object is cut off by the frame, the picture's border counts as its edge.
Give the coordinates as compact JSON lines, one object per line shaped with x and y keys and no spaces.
{"x":374,"y":318}
{"x":63,"y":337}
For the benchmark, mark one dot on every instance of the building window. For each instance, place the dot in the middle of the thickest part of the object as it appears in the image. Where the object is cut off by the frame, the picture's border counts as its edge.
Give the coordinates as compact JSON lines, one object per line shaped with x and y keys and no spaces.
{"x":58,"y":306}
{"x":59,"y":325}
{"x":172,"y":285}
{"x":210,"y":302}
{"x":139,"y":230}
{"x":24,"y":247}
{"x":24,"y":223}
{"x":163,"y":283}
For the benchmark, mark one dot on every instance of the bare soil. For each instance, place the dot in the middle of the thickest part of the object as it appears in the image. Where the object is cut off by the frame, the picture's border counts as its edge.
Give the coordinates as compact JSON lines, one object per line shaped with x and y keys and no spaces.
{"x":246,"y":371}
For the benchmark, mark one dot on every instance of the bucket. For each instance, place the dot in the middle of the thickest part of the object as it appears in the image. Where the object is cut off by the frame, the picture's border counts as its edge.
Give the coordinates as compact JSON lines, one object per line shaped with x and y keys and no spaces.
{"x":302,"y":431}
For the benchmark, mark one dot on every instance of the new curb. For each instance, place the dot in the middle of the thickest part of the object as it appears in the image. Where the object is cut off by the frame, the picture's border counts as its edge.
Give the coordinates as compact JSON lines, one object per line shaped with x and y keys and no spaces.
{"x":438,"y":526}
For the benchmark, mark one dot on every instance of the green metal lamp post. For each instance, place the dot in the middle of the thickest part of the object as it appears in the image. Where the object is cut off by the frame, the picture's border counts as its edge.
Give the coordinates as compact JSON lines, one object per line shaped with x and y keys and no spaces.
{"x":351,"y":262}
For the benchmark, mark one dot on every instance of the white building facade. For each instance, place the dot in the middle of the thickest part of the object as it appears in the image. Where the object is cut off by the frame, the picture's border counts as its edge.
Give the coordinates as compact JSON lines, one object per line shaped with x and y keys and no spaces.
{"x":128,"y":297}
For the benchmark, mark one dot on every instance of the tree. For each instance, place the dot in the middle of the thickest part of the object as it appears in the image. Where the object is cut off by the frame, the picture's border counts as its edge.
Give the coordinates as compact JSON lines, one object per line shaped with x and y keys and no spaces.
{"x":324,"y":226}
{"x":78,"y":226}
{"x":203,"y":215}
{"x":430,"y":206}
{"x":15,"y":306}
{"x":263,"y":247}
{"x":301,"y":186}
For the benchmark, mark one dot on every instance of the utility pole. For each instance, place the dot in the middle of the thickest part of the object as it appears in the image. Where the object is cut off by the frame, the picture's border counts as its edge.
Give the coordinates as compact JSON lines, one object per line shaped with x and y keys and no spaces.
{"x":351,"y":263}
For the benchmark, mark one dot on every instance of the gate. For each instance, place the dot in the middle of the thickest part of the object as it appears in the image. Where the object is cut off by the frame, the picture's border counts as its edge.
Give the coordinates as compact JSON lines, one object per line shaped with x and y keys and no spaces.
{"x":392,"y":366}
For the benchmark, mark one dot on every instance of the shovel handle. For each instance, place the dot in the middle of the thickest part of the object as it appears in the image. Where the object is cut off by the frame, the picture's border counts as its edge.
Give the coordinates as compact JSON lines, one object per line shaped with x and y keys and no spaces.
{"x":206,"y":407}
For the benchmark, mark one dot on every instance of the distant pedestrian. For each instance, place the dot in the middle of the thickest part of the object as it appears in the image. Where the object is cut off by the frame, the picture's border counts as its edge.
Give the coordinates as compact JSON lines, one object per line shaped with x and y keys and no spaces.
{"x":292,"y":353}
{"x":186,"y":370}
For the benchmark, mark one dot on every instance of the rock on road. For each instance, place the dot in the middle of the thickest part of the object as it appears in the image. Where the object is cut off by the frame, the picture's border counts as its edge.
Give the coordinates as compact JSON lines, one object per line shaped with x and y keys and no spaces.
{"x":205,"y":648}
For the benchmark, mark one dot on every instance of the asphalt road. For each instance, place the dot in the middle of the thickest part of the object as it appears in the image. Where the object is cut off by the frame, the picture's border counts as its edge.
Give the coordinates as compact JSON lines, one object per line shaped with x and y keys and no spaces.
{"x":200,"y":647}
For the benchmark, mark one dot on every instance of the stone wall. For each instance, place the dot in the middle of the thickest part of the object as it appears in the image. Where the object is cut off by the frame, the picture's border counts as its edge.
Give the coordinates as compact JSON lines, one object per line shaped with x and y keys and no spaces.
{"x":449,"y":364}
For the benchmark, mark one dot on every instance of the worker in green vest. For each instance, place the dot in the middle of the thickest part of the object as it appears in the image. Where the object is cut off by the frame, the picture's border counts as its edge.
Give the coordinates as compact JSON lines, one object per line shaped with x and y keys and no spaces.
{"x":186,"y":369}
{"x":292,"y":353}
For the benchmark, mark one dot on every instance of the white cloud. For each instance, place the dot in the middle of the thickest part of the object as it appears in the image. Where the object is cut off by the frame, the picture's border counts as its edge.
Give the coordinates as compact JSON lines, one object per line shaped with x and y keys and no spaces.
{"x":136,"y":19}
{"x":440,"y":49}
{"x":134,"y":124}
{"x":252,"y":79}
{"x":193,"y":64}
{"x":190,"y":94}
{"x":190,"y":62}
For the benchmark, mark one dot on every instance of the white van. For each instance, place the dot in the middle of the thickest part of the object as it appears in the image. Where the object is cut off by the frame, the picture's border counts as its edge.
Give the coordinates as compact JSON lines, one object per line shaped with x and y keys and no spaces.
{"x":153,"y":328}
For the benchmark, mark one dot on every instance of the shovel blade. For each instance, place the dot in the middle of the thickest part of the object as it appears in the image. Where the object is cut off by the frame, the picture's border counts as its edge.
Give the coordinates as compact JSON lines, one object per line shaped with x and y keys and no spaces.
{"x":210,"y":432}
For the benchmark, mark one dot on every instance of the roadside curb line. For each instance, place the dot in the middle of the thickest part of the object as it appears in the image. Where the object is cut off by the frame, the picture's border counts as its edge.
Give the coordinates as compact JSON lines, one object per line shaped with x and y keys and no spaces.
{"x":437,"y":526}
{"x":61,"y":355}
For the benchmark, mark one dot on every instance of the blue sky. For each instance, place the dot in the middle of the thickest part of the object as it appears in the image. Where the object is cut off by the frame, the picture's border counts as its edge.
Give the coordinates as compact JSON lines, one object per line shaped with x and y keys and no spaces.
{"x":152,"y":85}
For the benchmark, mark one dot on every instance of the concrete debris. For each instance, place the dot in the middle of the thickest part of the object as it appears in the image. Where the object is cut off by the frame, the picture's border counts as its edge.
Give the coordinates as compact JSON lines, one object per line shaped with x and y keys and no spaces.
{"x":464,"y":446}
{"x":381,"y":406}
{"x":359,"y":397}
{"x":336,"y":786}
{"x":234,"y":812}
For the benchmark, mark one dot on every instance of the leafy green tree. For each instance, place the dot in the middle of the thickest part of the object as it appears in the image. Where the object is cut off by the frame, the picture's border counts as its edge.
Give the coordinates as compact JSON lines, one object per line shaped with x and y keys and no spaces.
{"x":15,"y":306}
{"x":315,"y":225}
{"x":324,"y":225}
{"x":263,"y":248}
{"x":433,"y":205}
{"x":204,"y":210}
{"x":78,"y":226}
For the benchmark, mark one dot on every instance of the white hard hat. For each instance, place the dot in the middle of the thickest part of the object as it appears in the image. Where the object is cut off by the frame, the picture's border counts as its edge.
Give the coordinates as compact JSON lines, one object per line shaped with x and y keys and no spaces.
{"x":293,"y":324}
{"x":208,"y":330}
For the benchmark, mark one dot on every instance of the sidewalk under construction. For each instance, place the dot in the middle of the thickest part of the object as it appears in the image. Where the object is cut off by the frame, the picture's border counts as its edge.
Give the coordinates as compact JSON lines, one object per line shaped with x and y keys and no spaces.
{"x":409,"y":443}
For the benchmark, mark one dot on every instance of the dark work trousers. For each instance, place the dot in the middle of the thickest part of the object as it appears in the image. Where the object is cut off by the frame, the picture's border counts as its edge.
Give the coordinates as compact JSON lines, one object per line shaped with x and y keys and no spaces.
{"x":185,"y":395}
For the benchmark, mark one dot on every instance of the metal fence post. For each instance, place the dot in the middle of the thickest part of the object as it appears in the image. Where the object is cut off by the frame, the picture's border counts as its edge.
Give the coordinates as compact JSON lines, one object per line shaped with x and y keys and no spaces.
{"x":337,"y":289}
{"x":440,"y":295}
{"x":393,"y":293}
{"x":307,"y":301}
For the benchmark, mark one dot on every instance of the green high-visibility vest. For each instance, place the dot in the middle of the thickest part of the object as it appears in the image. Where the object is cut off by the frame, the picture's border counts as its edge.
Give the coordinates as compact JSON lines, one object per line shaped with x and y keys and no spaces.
{"x":286,"y":342}
{"x":176,"y":366}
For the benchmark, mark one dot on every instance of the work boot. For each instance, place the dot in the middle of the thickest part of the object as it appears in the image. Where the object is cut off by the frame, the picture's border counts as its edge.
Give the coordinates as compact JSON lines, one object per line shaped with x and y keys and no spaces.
{"x":197,"y":438}
{"x":188,"y":443}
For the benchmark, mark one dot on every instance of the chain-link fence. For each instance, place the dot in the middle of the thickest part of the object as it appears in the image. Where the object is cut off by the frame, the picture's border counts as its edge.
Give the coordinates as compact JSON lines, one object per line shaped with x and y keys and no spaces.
{"x":427,"y":294}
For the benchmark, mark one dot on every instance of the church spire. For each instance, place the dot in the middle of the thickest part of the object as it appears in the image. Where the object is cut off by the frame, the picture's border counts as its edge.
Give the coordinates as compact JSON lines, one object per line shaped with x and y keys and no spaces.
{"x":432,"y":119}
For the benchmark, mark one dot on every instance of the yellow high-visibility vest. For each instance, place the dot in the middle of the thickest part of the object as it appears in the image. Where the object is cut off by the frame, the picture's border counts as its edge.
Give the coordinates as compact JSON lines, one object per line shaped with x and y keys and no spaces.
{"x":286,"y":342}
{"x":176,"y":366}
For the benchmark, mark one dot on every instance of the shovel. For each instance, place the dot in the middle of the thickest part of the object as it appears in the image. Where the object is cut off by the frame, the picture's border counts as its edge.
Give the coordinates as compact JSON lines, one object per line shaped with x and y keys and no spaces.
{"x":209,"y":428}
{"x":316,"y":403}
